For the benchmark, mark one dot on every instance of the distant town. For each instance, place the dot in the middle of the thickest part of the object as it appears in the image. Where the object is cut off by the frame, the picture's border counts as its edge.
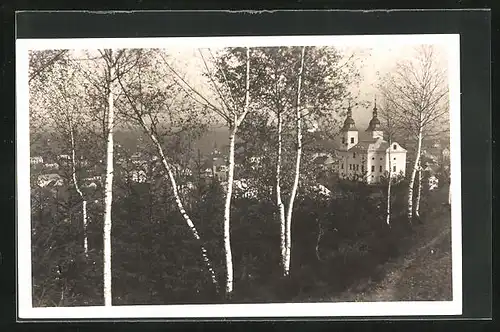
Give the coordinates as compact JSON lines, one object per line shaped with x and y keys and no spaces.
{"x":351,"y":156}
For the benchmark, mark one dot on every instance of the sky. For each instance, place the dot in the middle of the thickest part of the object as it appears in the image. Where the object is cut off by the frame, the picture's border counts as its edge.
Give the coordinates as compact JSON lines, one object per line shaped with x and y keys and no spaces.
{"x":372,"y":63}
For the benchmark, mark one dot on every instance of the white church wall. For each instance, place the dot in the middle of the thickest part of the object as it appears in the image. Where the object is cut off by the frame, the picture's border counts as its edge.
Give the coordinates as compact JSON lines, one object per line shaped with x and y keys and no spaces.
{"x":398,"y":159}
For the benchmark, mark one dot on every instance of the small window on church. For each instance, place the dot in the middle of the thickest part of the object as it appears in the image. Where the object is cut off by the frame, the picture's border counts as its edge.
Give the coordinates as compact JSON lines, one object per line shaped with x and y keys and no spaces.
{"x":362,"y":168}
{"x":380,"y":168}
{"x":357,"y":167}
{"x":354,"y":154}
{"x":343,"y":140}
{"x":394,"y":158}
{"x":394,"y":168}
{"x":373,"y":158}
{"x":373,"y":168}
{"x":394,"y":147}
{"x":352,"y":140}
{"x":342,"y":166}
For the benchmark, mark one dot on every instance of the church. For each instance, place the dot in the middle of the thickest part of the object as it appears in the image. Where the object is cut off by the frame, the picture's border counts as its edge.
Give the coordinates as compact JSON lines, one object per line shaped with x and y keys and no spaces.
{"x":371,"y":158}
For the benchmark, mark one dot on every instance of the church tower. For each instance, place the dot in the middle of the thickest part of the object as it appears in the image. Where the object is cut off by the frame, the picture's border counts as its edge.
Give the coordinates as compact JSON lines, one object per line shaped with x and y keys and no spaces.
{"x":374,"y":127}
{"x":349,"y":132}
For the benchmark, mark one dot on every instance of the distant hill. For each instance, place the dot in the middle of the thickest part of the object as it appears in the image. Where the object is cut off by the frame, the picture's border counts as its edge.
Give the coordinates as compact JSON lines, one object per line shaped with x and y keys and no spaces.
{"x":129,"y":140}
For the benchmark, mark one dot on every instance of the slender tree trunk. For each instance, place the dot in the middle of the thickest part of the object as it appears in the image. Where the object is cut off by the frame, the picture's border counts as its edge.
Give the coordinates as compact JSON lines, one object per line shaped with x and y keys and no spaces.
{"x":297,"y":170}
{"x":412,"y":178}
{"x":388,"y":217}
{"x":279,"y":202}
{"x":419,"y":188}
{"x":108,"y":199}
{"x":75,"y":182}
{"x":227,"y":216}
{"x":180,"y":206}
{"x":236,"y":121}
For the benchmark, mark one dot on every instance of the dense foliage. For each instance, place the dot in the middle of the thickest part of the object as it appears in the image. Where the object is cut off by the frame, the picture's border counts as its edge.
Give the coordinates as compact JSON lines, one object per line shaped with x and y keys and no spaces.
{"x":156,"y":261}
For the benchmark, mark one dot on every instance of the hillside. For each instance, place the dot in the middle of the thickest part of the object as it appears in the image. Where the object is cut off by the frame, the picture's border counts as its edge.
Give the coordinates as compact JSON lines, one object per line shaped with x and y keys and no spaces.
{"x":424,"y":274}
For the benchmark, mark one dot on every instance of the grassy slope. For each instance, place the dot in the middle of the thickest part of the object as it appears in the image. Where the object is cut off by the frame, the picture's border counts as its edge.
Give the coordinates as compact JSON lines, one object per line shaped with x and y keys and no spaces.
{"x":424,"y":273}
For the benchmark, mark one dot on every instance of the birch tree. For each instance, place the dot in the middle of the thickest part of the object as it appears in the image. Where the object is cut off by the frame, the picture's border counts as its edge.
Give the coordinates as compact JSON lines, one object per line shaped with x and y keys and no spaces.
{"x":296,"y":93}
{"x":100,"y":70}
{"x":60,"y":96}
{"x":160,"y":109}
{"x":231,"y":102}
{"x":43,"y":61}
{"x":298,"y":124}
{"x":389,"y":126}
{"x":418,"y":90}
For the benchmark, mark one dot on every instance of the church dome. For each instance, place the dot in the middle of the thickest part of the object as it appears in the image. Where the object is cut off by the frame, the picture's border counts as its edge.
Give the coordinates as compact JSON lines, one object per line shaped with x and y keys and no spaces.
{"x":374,"y":122}
{"x":349,"y":124}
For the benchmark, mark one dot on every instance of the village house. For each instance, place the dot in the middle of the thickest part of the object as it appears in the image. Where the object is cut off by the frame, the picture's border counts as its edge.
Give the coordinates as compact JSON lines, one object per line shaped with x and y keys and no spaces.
{"x":54,"y":180}
{"x":215,"y":166}
{"x":369,"y":159}
{"x":36,"y":160}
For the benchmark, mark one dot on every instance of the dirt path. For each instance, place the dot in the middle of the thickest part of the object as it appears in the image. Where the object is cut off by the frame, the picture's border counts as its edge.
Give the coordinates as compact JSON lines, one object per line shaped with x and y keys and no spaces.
{"x":423,"y":275}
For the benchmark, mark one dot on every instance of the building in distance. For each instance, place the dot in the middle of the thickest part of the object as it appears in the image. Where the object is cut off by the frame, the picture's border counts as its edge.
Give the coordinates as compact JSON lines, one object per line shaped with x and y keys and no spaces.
{"x":371,"y":159}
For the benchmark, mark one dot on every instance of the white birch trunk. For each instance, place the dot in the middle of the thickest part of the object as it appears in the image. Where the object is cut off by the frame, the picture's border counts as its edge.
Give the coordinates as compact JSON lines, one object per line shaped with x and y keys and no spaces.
{"x":77,"y":188}
{"x":279,"y":202}
{"x":229,"y":192}
{"x":108,"y":200}
{"x":419,"y":188}
{"x":227,"y":216}
{"x":297,"y":170}
{"x":388,"y":217}
{"x":412,"y":178}
{"x":180,"y":206}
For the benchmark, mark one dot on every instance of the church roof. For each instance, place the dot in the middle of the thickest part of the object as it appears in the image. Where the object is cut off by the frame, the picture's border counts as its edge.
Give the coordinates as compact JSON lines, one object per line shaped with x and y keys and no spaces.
{"x":374,"y":122}
{"x":377,"y":145}
{"x":349,"y":124}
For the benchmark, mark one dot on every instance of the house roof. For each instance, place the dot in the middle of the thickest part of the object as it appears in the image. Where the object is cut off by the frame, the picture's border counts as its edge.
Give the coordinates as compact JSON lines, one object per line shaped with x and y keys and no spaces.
{"x":323,"y":160}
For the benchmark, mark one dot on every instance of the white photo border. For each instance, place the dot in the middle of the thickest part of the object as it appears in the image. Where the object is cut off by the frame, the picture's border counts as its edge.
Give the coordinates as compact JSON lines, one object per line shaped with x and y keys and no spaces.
{"x":270,"y":310}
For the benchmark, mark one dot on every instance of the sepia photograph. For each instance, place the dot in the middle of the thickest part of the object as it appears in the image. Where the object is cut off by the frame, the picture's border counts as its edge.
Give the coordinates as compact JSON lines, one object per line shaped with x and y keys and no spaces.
{"x":239,"y":176}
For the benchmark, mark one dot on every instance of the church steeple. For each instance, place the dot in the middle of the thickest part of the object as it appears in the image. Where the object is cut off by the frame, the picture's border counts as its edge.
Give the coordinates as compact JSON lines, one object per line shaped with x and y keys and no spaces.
{"x":374,"y":126}
{"x":349,"y":132}
{"x":349,"y":124}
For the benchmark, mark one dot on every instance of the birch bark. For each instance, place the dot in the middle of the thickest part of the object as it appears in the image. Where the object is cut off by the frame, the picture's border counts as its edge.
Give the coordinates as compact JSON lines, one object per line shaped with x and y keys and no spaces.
{"x":108,"y":199}
{"x":419,"y":188}
{"x":412,"y":178}
{"x":297,"y":169}
{"x":227,"y":216}
{"x":388,"y":217}
{"x":229,"y":192}
{"x":77,"y":188}
{"x":281,"y":207}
